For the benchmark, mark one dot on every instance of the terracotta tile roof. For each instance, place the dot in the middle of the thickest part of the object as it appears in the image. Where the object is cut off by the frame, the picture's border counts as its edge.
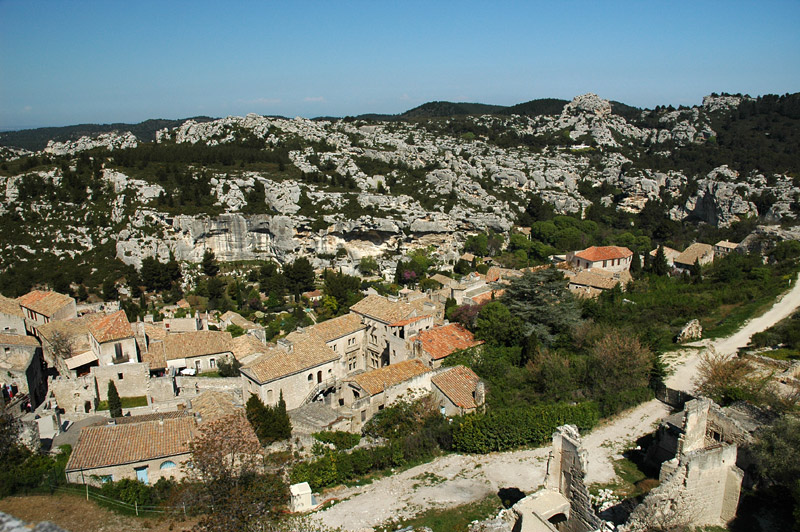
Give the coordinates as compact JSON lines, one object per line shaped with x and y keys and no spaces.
{"x":111,"y":327}
{"x":488,"y":296}
{"x":10,"y":306}
{"x":377,"y":380}
{"x":197,"y":343}
{"x":246,"y":345}
{"x":132,"y":442}
{"x":495,"y":273}
{"x":308,"y":351}
{"x":726,"y":245}
{"x":444,"y":280}
{"x":154,"y":332}
{"x":588,"y":278}
{"x":381,"y":309}
{"x":595,"y":253}
{"x":214,"y":405}
{"x":694,"y":252}
{"x":155,"y":355}
{"x":458,"y":384}
{"x":442,"y":341}
{"x":338,"y":327}
{"x":668,"y":252}
{"x":409,"y":321}
{"x":18,"y":339}
{"x":312,"y":293}
{"x":44,"y":302}
{"x":126,"y":420}
{"x":75,"y":329}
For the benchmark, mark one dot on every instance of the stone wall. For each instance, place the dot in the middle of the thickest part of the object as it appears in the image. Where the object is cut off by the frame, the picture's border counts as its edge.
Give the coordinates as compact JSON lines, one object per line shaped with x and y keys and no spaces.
{"x":131,"y":380}
{"x":118,"y":472}
{"x":74,"y":396}
{"x":191,"y":386}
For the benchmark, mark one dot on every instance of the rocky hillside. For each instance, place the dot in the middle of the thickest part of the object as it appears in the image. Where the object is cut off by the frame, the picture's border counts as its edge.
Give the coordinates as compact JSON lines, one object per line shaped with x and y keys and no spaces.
{"x":337,"y":190}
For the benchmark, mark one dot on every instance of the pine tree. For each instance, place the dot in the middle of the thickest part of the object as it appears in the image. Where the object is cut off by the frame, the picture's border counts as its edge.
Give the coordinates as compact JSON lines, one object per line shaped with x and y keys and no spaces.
{"x":660,"y":266}
{"x":209,"y":264}
{"x":114,"y":402}
{"x":636,"y":265}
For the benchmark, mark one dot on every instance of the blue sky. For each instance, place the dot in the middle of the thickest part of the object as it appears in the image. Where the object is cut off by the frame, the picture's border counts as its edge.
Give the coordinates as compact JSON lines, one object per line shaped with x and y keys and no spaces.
{"x":68,"y":62}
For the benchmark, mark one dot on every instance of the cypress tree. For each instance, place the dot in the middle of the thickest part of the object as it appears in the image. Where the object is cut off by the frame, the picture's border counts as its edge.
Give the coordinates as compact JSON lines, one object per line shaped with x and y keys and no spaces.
{"x":283,"y":425}
{"x":114,"y":402}
{"x":660,"y":266}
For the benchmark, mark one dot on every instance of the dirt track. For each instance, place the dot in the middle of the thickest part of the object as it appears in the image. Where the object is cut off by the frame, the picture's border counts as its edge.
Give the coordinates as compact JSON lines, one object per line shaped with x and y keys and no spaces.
{"x":461,"y":479}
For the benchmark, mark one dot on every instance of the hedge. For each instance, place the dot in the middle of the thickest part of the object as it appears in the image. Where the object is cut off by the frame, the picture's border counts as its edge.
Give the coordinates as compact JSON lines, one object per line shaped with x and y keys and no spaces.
{"x":501,"y":430}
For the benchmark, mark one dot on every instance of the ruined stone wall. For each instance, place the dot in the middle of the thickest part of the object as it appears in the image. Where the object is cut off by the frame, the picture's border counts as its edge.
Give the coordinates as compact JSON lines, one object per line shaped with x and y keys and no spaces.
{"x":72,"y":395}
{"x":565,"y":473}
{"x":702,"y":489}
{"x":191,"y":386}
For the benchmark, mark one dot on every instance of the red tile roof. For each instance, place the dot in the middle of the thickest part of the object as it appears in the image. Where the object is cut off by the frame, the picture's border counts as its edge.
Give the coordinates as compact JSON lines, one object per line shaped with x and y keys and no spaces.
{"x":442,"y":341}
{"x":488,"y":296}
{"x":43,"y":302}
{"x":595,"y":253}
{"x":111,"y":327}
{"x":458,"y":384}
{"x":129,"y":443}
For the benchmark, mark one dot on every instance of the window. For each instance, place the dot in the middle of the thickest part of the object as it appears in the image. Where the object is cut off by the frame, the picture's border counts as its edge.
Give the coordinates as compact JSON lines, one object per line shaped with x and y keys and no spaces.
{"x":169,"y":464}
{"x":118,"y":351}
{"x":212,"y":363}
{"x":7,"y":350}
{"x":269,"y":396}
{"x":106,"y":478}
{"x":310,"y":377}
{"x":197,"y":365}
{"x":120,"y":376}
{"x":363,"y":415}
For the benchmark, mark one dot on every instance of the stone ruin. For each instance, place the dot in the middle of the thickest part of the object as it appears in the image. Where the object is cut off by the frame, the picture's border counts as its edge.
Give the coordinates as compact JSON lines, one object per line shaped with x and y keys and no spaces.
{"x":700,"y":478}
{"x":701,"y":485}
{"x":563,"y":504}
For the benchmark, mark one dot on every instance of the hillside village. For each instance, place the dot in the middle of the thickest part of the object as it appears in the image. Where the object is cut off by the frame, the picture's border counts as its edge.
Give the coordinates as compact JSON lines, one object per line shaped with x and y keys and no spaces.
{"x":270,"y":314}
{"x":186,"y":369}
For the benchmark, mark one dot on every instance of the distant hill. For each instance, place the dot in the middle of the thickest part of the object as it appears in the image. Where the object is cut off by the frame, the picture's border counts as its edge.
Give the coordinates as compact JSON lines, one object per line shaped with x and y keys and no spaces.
{"x":36,"y":139}
{"x":542,"y":106}
{"x":625,"y":111}
{"x":438,"y":109}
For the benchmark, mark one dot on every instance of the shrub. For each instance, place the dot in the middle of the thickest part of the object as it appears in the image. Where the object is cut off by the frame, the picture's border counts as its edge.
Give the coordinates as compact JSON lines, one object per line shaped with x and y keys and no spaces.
{"x":340,"y":439}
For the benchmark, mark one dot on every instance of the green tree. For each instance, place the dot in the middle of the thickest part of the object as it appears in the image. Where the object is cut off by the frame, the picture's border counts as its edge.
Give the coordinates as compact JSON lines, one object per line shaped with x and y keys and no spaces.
{"x":283,"y":425}
{"x":545,"y":305}
{"x":209,"y":263}
{"x":368,"y":265}
{"x":110,"y":292}
{"x":636,"y":265}
{"x":659,"y":264}
{"x":299,"y":276}
{"x":496,"y":325}
{"x":114,"y":402}
{"x":229,"y":367}
{"x":777,"y":452}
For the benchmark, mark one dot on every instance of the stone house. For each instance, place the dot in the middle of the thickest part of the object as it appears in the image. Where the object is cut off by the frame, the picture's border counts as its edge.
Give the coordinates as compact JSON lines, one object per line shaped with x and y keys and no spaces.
{"x":21,"y":366}
{"x":144,"y":451}
{"x":191,"y":324}
{"x":199,"y":350}
{"x":345,"y":335}
{"x":300,"y":367}
{"x":66,"y":346}
{"x":112,"y":340}
{"x":40,"y":307}
{"x":434,"y":345}
{"x":697,"y":252}
{"x":389,"y":326}
{"x":12,"y":321}
{"x":669,"y":254}
{"x":232,"y":318}
{"x":458,"y":390}
{"x":365,"y":394}
{"x":590,"y":283}
{"x":610,"y":258}
{"x":723,"y":247}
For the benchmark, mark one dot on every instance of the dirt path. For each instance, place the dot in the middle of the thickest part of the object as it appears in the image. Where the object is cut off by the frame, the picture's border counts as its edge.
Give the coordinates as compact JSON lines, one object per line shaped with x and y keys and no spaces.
{"x":684,"y":368}
{"x":460,"y":479}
